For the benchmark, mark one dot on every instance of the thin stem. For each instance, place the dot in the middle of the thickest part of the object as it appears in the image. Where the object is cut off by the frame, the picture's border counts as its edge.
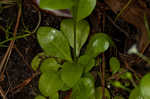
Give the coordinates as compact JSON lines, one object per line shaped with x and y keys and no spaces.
{"x":144,"y":57}
{"x":75,"y":9}
{"x":103,"y":76}
{"x":127,"y":89}
{"x":133,"y":82}
{"x":9,"y":49}
{"x":75,"y":54}
{"x":14,"y":38}
{"x":25,"y":35}
{"x":123,"y":9}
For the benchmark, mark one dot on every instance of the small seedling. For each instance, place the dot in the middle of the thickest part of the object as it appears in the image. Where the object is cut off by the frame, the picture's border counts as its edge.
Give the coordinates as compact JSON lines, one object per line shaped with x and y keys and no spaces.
{"x":114,"y":65}
{"x":73,"y":70}
{"x":119,"y":85}
{"x":128,"y":75}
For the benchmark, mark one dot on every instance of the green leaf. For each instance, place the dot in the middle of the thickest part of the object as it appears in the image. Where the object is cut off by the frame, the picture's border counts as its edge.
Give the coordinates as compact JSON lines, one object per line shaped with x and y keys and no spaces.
{"x":89,"y":75}
{"x":55,"y":4}
{"x":88,"y":62}
{"x":36,"y":61}
{"x":126,"y":75}
{"x":54,"y":43}
{"x":104,"y":35}
{"x":65,"y":87}
{"x":54,"y":96}
{"x":82,"y":32}
{"x":49,"y":64}
{"x":97,"y":45}
{"x":99,"y":93}
{"x":84,"y":89}
{"x":135,"y":94}
{"x":145,"y":86}
{"x":118,"y":84}
{"x":114,"y":65}
{"x":83,"y":8}
{"x":49,"y":83}
{"x":71,"y":73}
{"x":89,"y":66}
{"x":39,"y":97}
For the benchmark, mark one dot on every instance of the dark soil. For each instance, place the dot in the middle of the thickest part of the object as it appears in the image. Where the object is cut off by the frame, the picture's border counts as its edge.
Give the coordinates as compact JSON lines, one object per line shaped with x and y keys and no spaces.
{"x":18,"y":67}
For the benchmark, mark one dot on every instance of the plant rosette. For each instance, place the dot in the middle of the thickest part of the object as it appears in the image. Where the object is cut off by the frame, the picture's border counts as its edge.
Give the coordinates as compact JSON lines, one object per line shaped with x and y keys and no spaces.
{"x":56,"y":44}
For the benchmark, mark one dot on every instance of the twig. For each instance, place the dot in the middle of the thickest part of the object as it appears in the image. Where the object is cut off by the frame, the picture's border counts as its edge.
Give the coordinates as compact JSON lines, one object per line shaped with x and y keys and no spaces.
{"x":123,"y":9}
{"x":24,"y":83}
{"x":103,"y":75}
{"x":132,"y":70}
{"x":2,"y":93}
{"x":25,"y":35}
{"x":125,"y":33}
{"x":116,"y":75}
{"x":138,"y":60}
{"x":9,"y":50}
{"x":103,"y":22}
{"x":21,"y":55}
{"x":8,"y":83}
{"x":38,"y":24}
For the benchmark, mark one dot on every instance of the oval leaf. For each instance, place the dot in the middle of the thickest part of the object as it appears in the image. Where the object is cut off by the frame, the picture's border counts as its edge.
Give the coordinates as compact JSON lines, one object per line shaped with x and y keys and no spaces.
{"x":54,"y":43}
{"x":114,"y":65}
{"x":145,"y":86}
{"x":87,"y":62}
{"x":99,"y":93}
{"x":49,"y":64}
{"x":65,"y":87}
{"x":49,"y":83}
{"x":83,"y":8}
{"x":82,"y":32}
{"x":104,"y":35}
{"x":36,"y":61}
{"x":71,"y":73}
{"x":84,"y":89}
{"x":55,"y":4}
{"x":135,"y":94}
{"x":97,"y":45}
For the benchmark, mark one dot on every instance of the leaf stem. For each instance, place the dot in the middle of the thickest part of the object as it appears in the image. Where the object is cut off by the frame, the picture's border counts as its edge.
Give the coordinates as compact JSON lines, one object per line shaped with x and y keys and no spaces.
{"x":22,"y":36}
{"x":75,"y":9}
{"x":123,"y":9}
{"x":75,"y":57}
{"x":133,"y":82}
{"x":143,"y":57}
{"x":14,"y":38}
